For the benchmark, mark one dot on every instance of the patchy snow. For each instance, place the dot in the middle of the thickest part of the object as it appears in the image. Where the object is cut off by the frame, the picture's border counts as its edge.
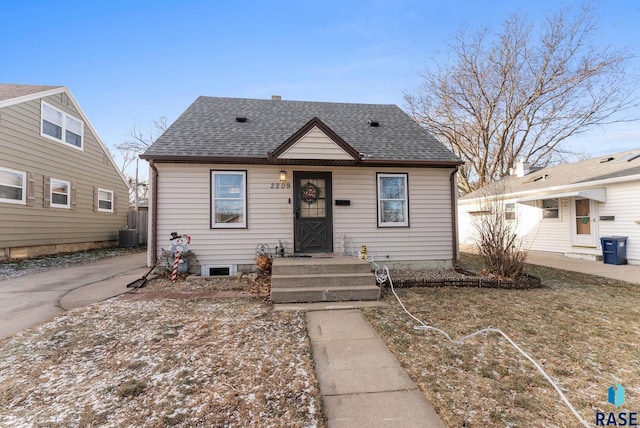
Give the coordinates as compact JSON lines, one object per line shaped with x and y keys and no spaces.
{"x":17,"y":268}
{"x":163,"y":362}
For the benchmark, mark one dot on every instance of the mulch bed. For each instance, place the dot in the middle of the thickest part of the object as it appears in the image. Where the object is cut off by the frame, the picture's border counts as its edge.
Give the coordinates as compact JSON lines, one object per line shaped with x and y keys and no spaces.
{"x":460,"y":278}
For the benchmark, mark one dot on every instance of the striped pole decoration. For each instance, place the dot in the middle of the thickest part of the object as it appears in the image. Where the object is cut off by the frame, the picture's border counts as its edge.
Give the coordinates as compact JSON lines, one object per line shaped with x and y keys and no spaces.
{"x":176,"y":262}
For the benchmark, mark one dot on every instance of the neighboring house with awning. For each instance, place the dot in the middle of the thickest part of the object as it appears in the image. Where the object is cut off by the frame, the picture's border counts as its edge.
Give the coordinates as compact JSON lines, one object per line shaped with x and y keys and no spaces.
{"x":566,"y":208}
{"x":303,"y":178}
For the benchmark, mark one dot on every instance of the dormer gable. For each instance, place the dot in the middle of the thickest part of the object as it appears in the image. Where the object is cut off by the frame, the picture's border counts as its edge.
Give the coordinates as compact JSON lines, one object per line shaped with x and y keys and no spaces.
{"x":315,"y":141}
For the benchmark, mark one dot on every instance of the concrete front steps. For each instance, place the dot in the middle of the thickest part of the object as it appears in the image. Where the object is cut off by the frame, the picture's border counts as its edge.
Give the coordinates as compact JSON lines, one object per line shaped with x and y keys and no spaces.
{"x":322,"y":279}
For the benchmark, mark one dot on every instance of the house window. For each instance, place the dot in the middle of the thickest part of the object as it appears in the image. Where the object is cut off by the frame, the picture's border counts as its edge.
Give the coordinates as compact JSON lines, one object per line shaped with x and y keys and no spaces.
{"x":60,"y":193}
{"x":62,"y":127}
{"x":510,"y":211}
{"x":12,"y":186}
{"x":393,"y":202}
{"x":105,"y":200}
{"x":550,"y":208}
{"x":228,"y":199}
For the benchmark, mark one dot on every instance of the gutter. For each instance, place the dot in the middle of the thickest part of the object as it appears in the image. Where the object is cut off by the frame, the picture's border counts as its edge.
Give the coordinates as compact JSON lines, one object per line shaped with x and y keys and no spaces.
{"x":454,"y":217}
{"x":324,"y":162}
{"x":153,"y":236}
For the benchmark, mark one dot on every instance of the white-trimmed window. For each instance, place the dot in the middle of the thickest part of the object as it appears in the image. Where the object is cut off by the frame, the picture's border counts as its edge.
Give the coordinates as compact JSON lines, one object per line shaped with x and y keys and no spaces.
{"x":62,"y":127}
{"x":510,"y":211}
{"x":105,"y":200}
{"x":393,"y":200}
{"x":13,"y":186}
{"x":60,"y":193}
{"x":228,"y":199}
{"x":550,"y":208}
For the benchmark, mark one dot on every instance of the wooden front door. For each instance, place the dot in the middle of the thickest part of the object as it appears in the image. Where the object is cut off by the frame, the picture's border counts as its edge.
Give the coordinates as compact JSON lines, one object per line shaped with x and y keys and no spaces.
{"x":313,"y":222}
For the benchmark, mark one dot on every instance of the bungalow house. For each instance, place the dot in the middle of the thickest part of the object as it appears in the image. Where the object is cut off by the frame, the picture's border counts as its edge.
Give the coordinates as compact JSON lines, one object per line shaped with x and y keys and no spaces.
{"x":301,"y":178}
{"x":60,"y":190}
{"x":568,"y":208}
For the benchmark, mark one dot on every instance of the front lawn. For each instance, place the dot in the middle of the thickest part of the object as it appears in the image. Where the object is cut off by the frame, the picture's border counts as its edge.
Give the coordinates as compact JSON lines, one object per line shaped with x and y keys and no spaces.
{"x":583,"y":330}
{"x":162,"y":363}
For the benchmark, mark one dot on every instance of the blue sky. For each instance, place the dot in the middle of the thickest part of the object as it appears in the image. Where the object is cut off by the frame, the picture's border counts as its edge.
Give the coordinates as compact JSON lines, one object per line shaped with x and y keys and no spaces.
{"x":134,"y":61}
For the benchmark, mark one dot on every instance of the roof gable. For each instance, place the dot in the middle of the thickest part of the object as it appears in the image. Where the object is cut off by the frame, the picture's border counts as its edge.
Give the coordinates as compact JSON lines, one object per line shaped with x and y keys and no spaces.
{"x":315,"y":141}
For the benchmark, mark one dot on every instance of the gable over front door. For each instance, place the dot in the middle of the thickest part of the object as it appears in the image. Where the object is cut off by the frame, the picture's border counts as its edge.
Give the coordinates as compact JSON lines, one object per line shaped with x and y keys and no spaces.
{"x":313,"y":220}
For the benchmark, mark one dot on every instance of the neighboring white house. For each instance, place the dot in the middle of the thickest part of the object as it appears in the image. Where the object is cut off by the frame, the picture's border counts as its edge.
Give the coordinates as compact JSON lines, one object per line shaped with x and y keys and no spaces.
{"x":567,"y":208}
{"x":303,"y":177}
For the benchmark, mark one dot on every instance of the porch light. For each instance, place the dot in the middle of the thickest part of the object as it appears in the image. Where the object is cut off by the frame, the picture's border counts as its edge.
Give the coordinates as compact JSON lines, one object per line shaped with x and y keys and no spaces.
{"x":283,"y":175}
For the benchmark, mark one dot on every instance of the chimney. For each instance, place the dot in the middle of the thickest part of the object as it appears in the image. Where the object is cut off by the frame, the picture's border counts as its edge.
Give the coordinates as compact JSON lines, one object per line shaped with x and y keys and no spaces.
{"x":276,"y":97}
{"x":522,"y":168}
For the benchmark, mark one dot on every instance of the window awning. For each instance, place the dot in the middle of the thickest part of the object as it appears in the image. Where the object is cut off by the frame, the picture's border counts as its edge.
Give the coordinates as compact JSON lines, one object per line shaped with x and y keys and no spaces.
{"x":595,"y":194}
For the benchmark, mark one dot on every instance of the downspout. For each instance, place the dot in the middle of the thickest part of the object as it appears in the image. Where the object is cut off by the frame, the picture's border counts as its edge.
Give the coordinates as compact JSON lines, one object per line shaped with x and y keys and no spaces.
{"x":154,"y":213}
{"x":454,"y":216}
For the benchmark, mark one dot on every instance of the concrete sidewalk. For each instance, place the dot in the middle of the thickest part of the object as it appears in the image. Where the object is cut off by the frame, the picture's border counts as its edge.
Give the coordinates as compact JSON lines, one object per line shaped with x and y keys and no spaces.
{"x":362,"y":384}
{"x":629,"y":273}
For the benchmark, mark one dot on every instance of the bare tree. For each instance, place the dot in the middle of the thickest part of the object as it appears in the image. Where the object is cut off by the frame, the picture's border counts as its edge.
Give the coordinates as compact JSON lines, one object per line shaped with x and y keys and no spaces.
{"x":520,"y":93}
{"x":137,"y":142}
{"x":501,"y":248}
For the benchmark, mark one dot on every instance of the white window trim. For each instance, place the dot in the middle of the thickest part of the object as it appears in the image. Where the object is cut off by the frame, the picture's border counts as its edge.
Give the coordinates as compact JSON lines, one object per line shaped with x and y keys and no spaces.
{"x":53,"y":204}
{"x":64,"y":127}
{"x":382,"y":223}
{"x":112,"y":200}
{"x":542,"y":210}
{"x":215,"y":225}
{"x":507,"y":210}
{"x":23,"y":201}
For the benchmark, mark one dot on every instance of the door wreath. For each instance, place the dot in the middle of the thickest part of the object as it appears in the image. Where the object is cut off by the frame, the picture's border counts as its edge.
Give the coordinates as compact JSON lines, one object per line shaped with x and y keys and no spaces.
{"x":310,"y":192}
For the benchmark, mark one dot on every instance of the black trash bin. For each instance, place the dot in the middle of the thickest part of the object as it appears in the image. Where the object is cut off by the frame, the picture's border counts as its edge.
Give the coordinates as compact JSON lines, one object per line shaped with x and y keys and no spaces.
{"x":614,"y":249}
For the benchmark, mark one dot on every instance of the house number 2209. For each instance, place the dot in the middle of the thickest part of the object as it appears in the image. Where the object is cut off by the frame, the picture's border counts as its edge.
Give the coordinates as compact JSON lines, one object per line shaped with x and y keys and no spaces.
{"x":281,"y":185}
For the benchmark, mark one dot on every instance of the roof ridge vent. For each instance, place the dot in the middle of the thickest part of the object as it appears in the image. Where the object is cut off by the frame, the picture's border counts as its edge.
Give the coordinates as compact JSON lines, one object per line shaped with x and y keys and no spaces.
{"x":241,"y":118}
{"x":373,"y":123}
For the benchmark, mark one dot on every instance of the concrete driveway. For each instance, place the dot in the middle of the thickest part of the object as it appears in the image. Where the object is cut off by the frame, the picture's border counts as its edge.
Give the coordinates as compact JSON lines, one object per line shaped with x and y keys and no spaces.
{"x":31,"y":299}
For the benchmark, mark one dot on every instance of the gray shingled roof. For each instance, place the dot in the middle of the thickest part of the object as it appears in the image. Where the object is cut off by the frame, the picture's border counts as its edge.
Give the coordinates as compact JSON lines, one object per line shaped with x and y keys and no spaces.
{"x":208,"y":129}
{"x":9,"y":91}
{"x":617,"y":165}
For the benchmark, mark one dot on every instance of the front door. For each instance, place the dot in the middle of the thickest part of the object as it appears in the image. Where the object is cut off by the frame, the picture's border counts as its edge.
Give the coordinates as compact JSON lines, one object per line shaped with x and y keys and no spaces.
{"x":313,"y":223}
{"x":584,"y":222}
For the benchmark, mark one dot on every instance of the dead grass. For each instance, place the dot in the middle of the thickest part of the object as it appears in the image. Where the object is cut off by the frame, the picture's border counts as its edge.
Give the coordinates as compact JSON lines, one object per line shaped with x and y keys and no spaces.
{"x":236,"y":363}
{"x":162,"y":363}
{"x":584,"y":330}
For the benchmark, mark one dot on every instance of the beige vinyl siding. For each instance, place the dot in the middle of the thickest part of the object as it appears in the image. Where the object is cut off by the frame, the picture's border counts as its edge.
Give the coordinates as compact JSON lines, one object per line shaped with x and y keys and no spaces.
{"x":22,"y":147}
{"x":315,"y":145}
{"x":184,"y":207}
